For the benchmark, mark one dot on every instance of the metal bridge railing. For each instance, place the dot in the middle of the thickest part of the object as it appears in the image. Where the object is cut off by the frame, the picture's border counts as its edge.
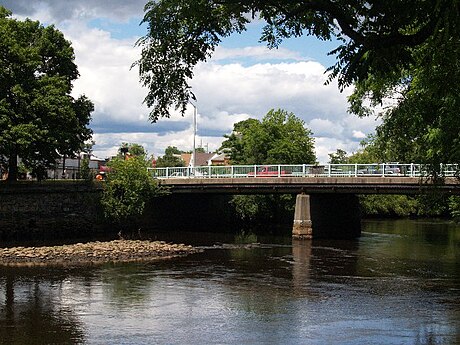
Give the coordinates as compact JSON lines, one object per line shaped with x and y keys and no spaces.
{"x":305,"y":170}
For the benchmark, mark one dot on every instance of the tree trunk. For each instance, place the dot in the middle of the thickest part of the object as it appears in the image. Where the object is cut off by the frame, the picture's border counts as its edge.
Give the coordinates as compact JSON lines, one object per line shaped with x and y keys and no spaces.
{"x":13,"y":168}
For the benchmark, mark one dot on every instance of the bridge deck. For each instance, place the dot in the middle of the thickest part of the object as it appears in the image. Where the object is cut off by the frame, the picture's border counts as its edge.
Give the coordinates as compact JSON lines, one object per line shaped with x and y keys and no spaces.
{"x":312,"y":185}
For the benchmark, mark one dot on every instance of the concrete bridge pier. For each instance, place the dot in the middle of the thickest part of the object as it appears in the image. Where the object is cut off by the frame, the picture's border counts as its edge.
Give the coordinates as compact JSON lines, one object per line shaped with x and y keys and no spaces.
{"x":302,"y":228}
{"x":326,"y":216}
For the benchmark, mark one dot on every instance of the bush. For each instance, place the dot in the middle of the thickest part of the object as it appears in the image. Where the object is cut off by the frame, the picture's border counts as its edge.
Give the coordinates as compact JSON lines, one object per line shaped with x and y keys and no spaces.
{"x":454,"y":207}
{"x":128,"y":188}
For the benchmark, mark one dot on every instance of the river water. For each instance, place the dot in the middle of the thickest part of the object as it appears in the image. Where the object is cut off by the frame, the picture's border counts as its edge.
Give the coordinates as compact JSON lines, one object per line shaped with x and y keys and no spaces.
{"x":398,"y":284}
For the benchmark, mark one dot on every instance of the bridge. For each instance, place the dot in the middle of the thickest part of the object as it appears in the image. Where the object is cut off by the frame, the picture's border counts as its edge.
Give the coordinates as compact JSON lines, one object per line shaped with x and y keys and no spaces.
{"x":321,"y":189}
{"x":310,"y":179}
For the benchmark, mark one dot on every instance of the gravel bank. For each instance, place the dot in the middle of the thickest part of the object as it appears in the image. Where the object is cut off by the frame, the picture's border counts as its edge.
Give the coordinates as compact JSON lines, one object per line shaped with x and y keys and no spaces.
{"x":93,"y":252}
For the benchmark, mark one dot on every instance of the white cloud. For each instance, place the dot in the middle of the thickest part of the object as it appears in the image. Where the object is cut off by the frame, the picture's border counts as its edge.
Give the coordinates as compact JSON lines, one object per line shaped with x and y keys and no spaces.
{"x":326,"y":145}
{"x":297,"y":87}
{"x":255,"y":52}
{"x":107,"y":79}
{"x":358,"y":134}
{"x":321,"y":127}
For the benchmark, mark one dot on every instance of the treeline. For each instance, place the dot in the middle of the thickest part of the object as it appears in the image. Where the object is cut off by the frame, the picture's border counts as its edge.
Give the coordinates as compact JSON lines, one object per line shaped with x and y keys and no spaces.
{"x":427,"y":205}
{"x":433,"y":205}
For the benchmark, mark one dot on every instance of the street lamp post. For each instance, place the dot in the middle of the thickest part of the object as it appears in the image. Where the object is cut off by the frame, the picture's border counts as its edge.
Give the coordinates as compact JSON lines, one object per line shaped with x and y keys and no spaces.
{"x":193,"y":160}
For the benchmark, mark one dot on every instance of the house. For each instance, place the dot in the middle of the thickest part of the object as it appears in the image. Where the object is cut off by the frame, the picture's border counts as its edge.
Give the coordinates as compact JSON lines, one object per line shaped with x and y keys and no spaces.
{"x":201,"y":158}
{"x":220,"y":159}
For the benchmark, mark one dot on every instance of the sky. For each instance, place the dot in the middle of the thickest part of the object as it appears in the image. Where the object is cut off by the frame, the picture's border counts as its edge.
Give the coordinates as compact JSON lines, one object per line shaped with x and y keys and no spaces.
{"x":242,"y":80}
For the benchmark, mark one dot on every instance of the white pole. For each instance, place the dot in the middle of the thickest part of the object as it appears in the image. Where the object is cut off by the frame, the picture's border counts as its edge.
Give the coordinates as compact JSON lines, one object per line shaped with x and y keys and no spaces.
{"x":193,"y":159}
{"x":194,"y":136}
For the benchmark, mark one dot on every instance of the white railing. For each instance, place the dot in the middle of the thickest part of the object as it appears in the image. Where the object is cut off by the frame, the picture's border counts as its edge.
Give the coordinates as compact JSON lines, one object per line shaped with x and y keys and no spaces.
{"x":305,"y":170}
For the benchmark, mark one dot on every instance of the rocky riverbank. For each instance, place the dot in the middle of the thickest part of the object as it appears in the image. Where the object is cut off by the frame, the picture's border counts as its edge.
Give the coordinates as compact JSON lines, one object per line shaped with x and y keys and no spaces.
{"x":93,"y":252}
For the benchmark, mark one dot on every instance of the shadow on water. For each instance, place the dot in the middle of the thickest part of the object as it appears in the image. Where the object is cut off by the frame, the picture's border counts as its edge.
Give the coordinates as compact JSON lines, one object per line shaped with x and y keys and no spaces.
{"x":398,"y":284}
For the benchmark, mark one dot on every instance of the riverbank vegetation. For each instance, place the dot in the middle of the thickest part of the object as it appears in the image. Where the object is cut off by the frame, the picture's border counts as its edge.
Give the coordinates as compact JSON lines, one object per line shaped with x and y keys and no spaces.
{"x":427,"y":205}
{"x":128,"y":188}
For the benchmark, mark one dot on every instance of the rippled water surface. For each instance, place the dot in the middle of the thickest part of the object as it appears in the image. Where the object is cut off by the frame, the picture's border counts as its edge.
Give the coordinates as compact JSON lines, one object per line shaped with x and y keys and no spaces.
{"x":398,"y":284}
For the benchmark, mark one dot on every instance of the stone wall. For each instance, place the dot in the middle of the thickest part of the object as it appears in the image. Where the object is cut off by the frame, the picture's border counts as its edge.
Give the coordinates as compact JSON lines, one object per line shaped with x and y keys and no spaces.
{"x":67,"y":210}
{"x":49,"y":210}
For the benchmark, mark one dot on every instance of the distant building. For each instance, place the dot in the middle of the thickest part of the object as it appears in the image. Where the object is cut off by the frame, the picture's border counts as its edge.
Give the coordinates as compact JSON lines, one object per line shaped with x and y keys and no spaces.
{"x":220,"y":159}
{"x":203,"y":159}
{"x":69,"y":168}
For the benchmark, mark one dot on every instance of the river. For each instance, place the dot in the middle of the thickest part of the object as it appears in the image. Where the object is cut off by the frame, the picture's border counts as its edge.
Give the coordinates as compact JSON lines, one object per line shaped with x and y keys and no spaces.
{"x":398,"y":284}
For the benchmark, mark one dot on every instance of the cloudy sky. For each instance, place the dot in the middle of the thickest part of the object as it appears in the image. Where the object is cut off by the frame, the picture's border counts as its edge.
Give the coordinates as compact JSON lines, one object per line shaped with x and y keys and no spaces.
{"x":243,"y":79}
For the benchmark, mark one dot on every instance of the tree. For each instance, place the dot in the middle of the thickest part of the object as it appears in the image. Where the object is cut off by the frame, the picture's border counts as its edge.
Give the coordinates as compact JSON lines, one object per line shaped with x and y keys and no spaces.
{"x":280,"y":138}
{"x":420,"y":123}
{"x":422,"y":126}
{"x":39,"y":119}
{"x":128,"y":188}
{"x":339,"y":157}
{"x":171,"y":158}
{"x":370,"y":152}
{"x":375,"y":37}
{"x":132,"y":149}
{"x":85,"y":171}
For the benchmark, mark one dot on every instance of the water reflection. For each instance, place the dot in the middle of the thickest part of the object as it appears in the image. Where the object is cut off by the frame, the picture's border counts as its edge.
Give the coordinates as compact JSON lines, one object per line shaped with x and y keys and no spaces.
{"x":398,"y":284}
{"x":31,"y":313}
{"x":301,"y":254}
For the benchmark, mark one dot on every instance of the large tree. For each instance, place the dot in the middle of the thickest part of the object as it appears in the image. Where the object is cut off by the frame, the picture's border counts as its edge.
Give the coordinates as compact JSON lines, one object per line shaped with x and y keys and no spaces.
{"x":421,"y":123}
{"x":375,"y":36}
{"x":39,"y":119}
{"x":279,"y":138}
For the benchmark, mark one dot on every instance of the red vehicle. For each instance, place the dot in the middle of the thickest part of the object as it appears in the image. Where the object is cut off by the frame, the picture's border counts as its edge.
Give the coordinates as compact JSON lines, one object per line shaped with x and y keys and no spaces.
{"x":267,"y":171}
{"x":102,"y":174}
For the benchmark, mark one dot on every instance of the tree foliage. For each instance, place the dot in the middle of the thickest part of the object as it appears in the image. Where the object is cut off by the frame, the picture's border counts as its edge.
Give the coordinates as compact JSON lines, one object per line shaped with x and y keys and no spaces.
{"x":388,"y":205}
{"x":279,"y":138}
{"x":338,"y":157}
{"x":132,"y":149}
{"x":128,"y":188}
{"x":420,"y":119}
{"x":454,"y":207}
{"x":428,"y":205}
{"x":39,"y":119}
{"x":171,"y":158}
{"x":376,"y":37}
